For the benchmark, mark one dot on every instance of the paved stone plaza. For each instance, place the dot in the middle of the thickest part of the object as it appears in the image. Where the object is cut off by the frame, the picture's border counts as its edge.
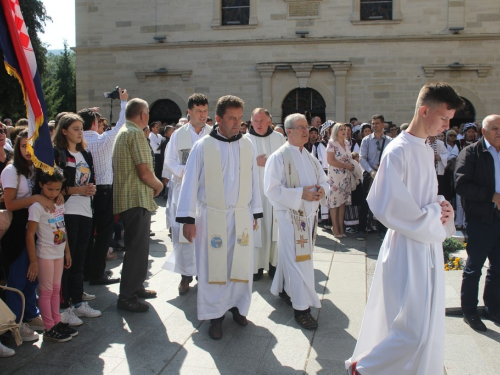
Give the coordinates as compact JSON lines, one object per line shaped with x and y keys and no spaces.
{"x":169,"y":339}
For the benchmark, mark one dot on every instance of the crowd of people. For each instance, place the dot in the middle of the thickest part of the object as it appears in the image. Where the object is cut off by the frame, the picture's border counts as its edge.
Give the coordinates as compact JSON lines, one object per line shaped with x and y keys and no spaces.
{"x":234,"y":186}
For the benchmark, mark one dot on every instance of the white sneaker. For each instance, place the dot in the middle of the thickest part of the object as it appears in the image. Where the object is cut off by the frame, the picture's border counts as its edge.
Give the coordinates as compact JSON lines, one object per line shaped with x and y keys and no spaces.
{"x":6,"y":352}
{"x":87,"y":297}
{"x":68,"y":317}
{"x":86,"y":311}
{"x":27,"y":334}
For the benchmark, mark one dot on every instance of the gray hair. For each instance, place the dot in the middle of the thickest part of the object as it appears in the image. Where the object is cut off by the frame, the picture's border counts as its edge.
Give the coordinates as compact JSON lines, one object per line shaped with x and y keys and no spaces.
{"x":488,"y":120}
{"x":135,"y":107}
{"x":291,"y":119}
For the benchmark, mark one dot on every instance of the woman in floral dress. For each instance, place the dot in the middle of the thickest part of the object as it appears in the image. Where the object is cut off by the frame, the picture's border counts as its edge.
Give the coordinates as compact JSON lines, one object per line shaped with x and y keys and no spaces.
{"x":339,"y":177}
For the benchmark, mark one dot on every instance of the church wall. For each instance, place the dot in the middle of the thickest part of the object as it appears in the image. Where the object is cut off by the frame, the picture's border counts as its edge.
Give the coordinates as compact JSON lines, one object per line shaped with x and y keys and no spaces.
{"x":385,"y":75}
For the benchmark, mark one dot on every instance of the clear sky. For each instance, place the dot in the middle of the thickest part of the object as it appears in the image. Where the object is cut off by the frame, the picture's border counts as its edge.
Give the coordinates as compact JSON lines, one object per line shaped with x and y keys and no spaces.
{"x":62,"y":26}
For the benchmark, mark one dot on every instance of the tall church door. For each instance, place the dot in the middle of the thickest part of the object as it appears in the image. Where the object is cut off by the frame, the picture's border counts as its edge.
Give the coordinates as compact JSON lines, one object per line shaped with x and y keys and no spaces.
{"x":308,"y":102}
{"x":166,"y":111}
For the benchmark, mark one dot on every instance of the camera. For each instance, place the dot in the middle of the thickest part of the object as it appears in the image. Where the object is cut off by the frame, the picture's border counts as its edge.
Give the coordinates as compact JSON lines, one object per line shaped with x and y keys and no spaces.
{"x":115,"y":94}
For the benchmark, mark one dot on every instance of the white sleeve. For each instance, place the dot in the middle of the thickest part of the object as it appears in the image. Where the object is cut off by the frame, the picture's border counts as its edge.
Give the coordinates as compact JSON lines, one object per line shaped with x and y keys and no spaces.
{"x":172,"y":162}
{"x":392,"y":204}
{"x":9,"y":177}
{"x":35,"y":212}
{"x":275,"y":184}
{"x":256,"y":199}
{"x":188,"y":197}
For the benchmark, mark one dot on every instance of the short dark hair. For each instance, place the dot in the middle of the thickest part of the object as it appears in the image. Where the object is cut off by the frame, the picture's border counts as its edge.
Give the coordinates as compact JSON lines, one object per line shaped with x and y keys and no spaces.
{"x":313,"y":129}
{"x":353,"y":119}
{"x":45,"y":177}
{"x":227,"y":101}
{"x":88,"y":116}
{"x":378,"y":117}
{"x":259,"y":110}
{"x":197,"y":99}
{"x":151,"y":126}
{"x":437,"y":93}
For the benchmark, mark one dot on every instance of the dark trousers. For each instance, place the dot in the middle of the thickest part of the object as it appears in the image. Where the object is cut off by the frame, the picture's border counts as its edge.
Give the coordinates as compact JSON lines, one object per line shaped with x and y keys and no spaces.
{"x":137,"y":223}
{"x":484,"y":242}
{"x":17,"y":279}
{"x":158,"y":166}
{"x":364,"y":209}
{"x":102,"y":231}
{"x":79,"y":229}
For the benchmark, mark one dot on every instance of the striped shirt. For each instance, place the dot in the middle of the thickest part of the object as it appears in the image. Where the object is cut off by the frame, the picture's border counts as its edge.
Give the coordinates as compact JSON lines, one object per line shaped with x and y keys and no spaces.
{"x":101,"y":148}
{"x":131,"y":149}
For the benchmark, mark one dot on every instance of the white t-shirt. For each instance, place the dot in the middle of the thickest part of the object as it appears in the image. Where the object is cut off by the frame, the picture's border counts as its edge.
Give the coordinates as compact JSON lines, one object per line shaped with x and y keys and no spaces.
{"x":79,"y":204}
{"x":51,"y":232}
{"x":10,"y":177}
{"x":155,"y":141}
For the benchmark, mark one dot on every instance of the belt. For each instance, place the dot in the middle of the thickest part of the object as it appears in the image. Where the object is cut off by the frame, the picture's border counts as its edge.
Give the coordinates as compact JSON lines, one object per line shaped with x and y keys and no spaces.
{"x":105,"y":187}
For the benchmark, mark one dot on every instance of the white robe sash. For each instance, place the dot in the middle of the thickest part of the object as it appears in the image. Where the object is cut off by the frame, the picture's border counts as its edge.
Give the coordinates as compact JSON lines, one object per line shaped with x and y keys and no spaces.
{"x":216,"y":215}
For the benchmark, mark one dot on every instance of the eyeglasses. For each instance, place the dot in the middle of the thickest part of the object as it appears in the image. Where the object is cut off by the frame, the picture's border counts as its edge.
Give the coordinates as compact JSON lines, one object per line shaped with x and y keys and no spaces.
{"x":301,"y":128}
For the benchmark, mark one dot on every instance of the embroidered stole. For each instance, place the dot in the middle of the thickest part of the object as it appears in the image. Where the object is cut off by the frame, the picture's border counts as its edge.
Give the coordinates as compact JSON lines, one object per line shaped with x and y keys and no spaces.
{"x":303,"y":243}
{"x":217,"y":228}
{"x":275,"y":143}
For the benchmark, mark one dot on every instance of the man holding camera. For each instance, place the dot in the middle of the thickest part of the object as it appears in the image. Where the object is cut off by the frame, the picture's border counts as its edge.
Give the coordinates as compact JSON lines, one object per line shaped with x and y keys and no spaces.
{"x":101,"y":148}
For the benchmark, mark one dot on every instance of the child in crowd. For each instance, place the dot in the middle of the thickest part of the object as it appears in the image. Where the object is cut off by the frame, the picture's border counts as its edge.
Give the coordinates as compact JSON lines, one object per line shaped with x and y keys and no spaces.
{"x":47,"y":258}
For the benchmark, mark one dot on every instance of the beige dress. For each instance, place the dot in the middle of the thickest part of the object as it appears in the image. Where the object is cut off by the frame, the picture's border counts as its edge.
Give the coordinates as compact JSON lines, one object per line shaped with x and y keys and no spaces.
{"x":339,"y":179}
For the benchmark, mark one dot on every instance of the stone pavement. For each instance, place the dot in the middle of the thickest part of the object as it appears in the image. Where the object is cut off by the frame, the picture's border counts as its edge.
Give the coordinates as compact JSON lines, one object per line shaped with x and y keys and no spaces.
{"x":169,"y":339}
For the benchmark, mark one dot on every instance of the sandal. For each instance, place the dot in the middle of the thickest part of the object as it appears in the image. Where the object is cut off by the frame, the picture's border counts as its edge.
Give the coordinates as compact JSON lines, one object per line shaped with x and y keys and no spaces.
{"x":307,"y":321}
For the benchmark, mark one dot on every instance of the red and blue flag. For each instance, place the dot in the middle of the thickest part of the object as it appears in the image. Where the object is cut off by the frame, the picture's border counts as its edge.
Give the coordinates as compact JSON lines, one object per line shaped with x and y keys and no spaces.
{"x":20,"y":62}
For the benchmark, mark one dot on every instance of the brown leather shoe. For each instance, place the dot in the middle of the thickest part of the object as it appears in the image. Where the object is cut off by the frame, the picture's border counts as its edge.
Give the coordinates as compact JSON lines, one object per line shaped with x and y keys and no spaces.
{"x":215,"y":330}
{"x":238,"y":318}
{"x":307,"y":321}
{"x":184,"y":285}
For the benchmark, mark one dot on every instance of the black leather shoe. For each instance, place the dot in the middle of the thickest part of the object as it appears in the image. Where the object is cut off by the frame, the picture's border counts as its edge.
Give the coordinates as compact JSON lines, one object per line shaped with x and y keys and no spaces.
{"x":494,"y":317}
{"x":257,"y":276}
{"x":146,"y":294}
{"x":215,"y":331}
{"x":104,"y":280}
{"x":272,"y":271}
{"x":132,"y":304}
{"x":475,"y":322}
{"x":238,"y":318}
{"x":307,"y":321}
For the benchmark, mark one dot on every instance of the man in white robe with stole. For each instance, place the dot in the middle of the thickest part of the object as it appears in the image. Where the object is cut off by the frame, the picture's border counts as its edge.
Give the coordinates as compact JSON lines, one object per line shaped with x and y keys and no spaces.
{"x":183,"y":260}
{"x":403,"y":327}
{"x":265,"y":141}
{"x":219,"y":206}
{"x":295,"y":184}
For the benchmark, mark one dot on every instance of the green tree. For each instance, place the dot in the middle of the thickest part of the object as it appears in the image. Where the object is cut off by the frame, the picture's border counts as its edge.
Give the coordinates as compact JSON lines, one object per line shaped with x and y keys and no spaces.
{"x":35,"y":17}
{"x":58,"y":83}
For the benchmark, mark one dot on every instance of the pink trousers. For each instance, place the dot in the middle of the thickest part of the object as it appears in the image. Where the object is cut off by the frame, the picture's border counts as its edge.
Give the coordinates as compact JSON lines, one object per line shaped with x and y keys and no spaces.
{"x":49,"y":284}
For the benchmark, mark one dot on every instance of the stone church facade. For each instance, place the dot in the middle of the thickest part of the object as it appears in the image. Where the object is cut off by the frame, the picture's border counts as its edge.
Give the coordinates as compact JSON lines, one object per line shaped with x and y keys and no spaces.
{"x":336,"y":59}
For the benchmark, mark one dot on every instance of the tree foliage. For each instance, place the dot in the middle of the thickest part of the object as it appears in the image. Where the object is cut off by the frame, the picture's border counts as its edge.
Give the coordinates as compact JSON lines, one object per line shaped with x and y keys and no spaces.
{"x":59,"y":83}
{"x":35,"y":17}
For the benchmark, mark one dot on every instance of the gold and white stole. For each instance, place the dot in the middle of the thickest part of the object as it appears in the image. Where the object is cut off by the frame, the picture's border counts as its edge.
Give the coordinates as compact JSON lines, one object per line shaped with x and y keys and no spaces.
{"x":275,"y":143}
{"x":299,"y":219}
{"x":216,"y":214}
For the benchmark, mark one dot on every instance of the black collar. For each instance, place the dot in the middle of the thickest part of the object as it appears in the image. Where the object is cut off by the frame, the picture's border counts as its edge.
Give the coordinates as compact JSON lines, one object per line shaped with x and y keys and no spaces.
{"x":214,"y":134}
{"x":253,"y":132}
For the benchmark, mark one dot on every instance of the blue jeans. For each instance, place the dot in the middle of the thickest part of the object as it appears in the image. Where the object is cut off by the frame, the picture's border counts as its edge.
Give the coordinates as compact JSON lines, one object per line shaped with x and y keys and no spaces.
{"x":17,"y":279}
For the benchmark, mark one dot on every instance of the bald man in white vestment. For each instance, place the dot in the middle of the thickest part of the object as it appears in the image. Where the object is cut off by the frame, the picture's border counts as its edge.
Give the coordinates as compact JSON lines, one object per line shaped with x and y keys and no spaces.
{"x":403,"y":327}
{"x":219,"y":206}
{"x":266,"y":141}
{"x":295,"y":184}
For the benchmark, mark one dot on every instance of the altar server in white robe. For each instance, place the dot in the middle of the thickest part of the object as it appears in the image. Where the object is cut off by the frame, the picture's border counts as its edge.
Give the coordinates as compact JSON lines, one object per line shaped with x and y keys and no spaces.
{"x":403,"y":327}
{"x":295,"y":184}
{"x":219,"y":206}
{"x":183,"y":260}
{"x":265,"y":141}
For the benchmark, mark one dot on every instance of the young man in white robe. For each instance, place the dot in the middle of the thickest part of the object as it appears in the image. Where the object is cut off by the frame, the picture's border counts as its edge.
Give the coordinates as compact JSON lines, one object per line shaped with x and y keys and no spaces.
{"x":403,"y":327}
{"x":266,"y":141}
{"x":182,"y":260}
{"x":295,"y":184}
{"x":219,"y":206}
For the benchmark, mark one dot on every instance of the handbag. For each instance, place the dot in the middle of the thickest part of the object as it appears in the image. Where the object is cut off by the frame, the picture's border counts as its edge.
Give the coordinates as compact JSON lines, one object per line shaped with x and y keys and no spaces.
{"x":356,"y":174}
{"x":6,"y":215}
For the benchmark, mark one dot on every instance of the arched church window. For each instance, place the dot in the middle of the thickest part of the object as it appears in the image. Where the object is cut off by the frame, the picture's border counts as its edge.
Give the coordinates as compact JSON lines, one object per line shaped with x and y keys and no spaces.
{"x":306,"y":101}
{"x":165,"y":110}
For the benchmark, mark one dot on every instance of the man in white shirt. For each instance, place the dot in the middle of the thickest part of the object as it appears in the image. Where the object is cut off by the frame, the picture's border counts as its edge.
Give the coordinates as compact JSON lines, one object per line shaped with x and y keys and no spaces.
{"x":155,"y":141}
{"x":101,"y":148}
{"x":182,"y":260}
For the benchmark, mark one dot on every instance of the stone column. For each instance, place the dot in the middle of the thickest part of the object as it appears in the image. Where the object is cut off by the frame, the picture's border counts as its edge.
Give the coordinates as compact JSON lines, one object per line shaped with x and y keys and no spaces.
{"x":340,"y":72}
{"x":266,"y":73}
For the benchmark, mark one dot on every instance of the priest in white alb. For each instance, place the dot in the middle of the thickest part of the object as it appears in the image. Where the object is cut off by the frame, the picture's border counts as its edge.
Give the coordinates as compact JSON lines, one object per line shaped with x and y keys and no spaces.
{"x":183,"y":260}
{"x":403,"y":327}
{"x":265,"y":142}
{"x":219,"y":206}
{"x":295,"y":184}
